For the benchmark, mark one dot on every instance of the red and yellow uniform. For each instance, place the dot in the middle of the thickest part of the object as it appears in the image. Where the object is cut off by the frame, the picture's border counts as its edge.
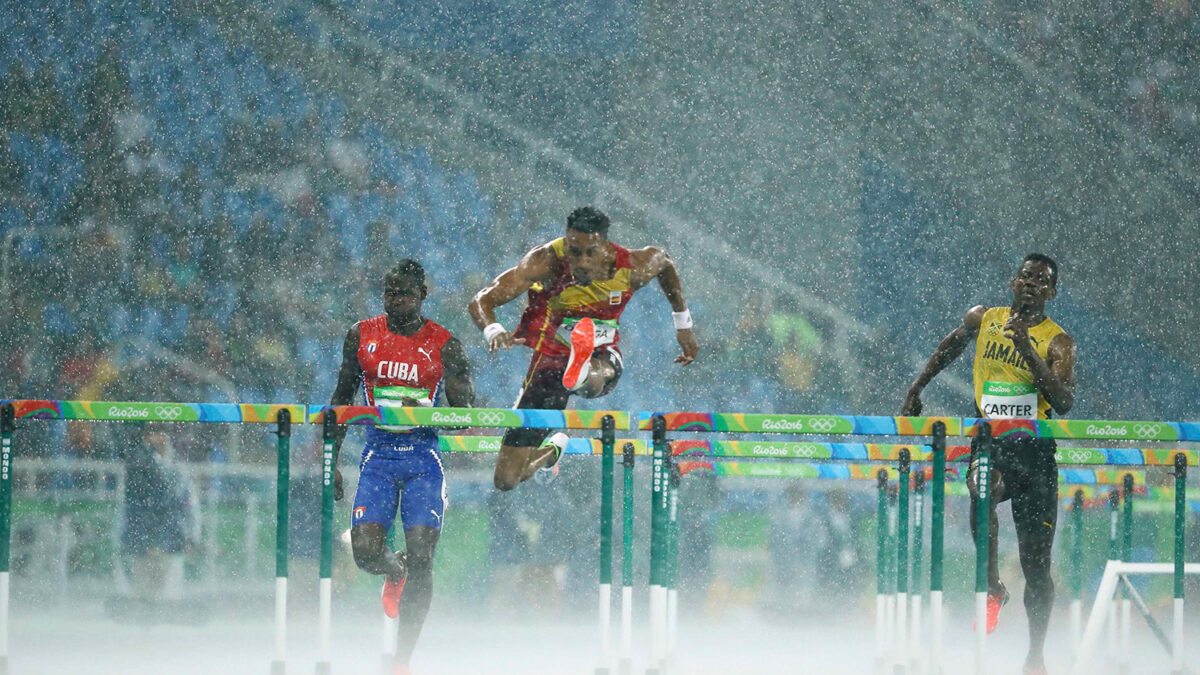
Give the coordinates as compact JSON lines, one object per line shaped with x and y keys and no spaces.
{"x":554,"y":309}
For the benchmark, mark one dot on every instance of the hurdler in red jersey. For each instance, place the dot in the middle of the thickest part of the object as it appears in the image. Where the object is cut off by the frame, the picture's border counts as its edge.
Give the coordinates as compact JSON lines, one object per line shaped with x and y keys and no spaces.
{"x":397,"y":367}
{"x":400,"y":359}
{"x":577,"y":288}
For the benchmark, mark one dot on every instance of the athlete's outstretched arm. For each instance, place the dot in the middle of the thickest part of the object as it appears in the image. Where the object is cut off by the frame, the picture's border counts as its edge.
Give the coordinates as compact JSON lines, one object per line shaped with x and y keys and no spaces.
{"x":460,"y":391}
{"x":534,"y":267}
{"x":654,"y":263}
{"x":947,"y":351}
{"x":349,"y":377}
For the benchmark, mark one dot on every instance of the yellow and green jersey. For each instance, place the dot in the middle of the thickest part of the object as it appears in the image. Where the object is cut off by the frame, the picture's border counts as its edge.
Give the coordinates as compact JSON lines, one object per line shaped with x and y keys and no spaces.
{"x":1003,"y":382}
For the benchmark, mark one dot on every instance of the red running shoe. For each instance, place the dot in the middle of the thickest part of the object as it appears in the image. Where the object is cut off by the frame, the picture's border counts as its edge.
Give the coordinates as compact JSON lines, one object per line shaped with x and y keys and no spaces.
{"x":392,"y":590}
{"x":1035,"y":670}
{"x":994,"y":603}
{"x":583,"y":343}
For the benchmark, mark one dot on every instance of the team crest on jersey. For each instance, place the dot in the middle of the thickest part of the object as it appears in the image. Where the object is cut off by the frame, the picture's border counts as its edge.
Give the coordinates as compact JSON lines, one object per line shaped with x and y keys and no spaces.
{"x":359,"y":512}
{"x":614,"y":297}
{"x":371,"y":347}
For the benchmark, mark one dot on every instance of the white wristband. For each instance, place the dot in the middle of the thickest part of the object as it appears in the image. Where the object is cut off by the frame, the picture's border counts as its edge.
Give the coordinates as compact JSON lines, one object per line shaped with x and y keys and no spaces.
{"x":683,"y":320}
{"x":491,"y":331}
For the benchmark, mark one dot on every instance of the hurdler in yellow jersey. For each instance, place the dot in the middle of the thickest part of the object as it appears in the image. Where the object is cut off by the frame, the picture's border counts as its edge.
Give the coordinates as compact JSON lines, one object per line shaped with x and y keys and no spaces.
{"x":1024,"y":369}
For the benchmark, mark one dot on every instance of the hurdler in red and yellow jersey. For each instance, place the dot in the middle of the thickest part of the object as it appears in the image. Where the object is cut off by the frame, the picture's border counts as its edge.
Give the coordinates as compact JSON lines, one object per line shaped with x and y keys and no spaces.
{"x":555,"y":309}
{"x":577,"y":288}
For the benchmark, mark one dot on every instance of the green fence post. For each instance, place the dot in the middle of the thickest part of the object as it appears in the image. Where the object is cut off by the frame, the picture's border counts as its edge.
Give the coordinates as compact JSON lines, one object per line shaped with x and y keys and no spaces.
{"x":658,"y":536}
{"x":937,"y":531}
{"x":329,"y":431}
{"x":283,"y":424}
{"x":881,"y":529}
{"x":917,"y":554}
{"x":983,"y":476}
{"x":672,"y":573}
{"x":901,"y":630}
{"x":626,"y":665}
{"x":1077,"y":570}
{"x":1180,"y":541}
{"x":607,"y":441}
{"x":7,"y":427}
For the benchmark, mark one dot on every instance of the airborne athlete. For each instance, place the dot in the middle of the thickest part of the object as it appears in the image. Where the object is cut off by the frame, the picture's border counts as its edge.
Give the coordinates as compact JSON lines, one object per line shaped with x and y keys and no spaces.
{"x":577,"y":286}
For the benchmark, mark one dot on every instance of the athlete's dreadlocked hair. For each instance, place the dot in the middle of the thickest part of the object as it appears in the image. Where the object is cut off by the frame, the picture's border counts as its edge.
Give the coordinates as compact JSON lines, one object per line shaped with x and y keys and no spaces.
{"x":1048,"y":262}
{"x":410,"y":269}
{"x":588,"y":220}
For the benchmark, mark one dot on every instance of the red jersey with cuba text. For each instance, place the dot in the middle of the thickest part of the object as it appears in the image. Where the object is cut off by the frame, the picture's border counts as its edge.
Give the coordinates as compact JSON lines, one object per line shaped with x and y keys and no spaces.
{"x":400,"y":366}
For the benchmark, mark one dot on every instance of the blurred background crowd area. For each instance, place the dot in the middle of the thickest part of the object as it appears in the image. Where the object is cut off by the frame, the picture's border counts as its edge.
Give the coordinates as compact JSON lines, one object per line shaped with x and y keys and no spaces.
{"x":1137,"y":59}
{"x":199,"y":200}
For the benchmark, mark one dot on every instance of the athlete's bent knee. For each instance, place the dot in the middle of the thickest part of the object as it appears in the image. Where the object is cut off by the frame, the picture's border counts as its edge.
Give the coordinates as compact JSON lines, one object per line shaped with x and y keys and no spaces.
{"x":367,"y":557}
{"x":504,"y":481}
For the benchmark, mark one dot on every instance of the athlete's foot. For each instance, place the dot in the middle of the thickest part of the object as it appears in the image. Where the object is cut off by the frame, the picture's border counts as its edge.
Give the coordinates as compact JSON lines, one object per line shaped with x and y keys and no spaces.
{"x":557,"y":443}
{"x":583,"y":343}
{"x":995,"y":600}
{"x":393,"y":589}
{"x":1034,"y":670}
{"x":401,"y":669}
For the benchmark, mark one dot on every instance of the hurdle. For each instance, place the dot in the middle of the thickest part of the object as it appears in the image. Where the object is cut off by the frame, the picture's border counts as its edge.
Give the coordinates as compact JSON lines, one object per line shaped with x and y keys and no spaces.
{"x":938,"y":454}
{"x":664,"y":629}
{"x":283,"y":416}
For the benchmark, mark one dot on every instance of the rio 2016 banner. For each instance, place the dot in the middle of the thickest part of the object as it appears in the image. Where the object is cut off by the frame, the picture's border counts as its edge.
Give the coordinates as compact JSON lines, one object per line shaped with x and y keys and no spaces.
{"x":142,"y":411}
{"x":1111,"y":430}
{"x":828,"y":425}
{"x":881,"y":452}
{"x":470,"y":417}
{"x":858,"y":425}
{"x":844,"y":471}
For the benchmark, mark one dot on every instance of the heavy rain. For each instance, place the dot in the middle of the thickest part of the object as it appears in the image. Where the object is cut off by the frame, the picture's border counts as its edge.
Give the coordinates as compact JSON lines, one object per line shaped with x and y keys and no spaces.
{"x":794,"y":221}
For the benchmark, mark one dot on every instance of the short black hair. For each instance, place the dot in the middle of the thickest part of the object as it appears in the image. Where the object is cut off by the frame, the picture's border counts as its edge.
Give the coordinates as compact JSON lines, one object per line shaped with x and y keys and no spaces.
{"x":588,"y":220}
{"x":1047,"y":261}
{"x":408,"y":268}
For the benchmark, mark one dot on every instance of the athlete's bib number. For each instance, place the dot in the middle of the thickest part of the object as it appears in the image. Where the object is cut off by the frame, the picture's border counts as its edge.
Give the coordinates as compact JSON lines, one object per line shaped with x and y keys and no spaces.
{"x":1009,"y":400}
{"x":606,"y":330}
